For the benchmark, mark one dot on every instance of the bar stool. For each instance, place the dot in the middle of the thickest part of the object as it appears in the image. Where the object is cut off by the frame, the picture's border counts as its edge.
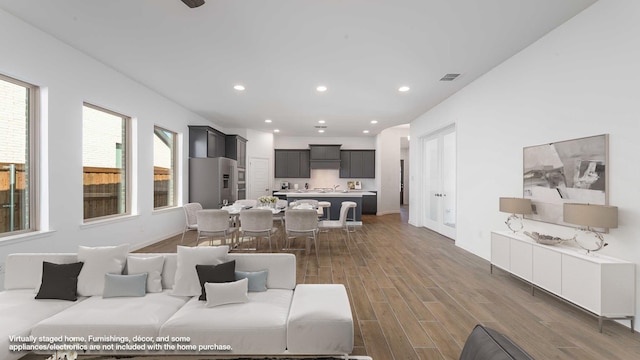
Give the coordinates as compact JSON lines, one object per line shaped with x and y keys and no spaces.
{"x":351,"y":205}
{"x":325,"y":205}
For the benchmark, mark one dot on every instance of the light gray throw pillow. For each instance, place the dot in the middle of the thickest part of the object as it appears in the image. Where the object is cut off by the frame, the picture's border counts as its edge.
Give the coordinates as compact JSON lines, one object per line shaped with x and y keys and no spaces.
{"x":257,"y":279}
{"x":124,"y":285}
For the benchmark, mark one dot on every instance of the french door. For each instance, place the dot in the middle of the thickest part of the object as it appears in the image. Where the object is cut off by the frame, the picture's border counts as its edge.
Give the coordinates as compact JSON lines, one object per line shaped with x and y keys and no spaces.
{"x":439,"y":181}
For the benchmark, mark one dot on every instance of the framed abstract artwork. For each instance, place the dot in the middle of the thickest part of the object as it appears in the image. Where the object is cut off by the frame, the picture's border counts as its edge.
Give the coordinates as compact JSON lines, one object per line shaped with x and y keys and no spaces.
{"x":571,"y":171}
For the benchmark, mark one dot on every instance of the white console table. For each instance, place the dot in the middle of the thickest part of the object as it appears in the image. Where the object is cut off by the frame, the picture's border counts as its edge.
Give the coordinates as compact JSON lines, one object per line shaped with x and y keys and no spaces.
{"x":602,"y":285}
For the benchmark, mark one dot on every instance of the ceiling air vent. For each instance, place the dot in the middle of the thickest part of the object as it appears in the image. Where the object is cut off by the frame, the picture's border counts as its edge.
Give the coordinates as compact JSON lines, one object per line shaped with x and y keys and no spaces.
{"x":320,"y":126}
{"x":449,"y":77}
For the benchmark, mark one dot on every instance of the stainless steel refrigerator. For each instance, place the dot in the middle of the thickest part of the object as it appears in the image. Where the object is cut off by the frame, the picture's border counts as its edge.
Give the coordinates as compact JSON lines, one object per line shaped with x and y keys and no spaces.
{"x":213,"y":180}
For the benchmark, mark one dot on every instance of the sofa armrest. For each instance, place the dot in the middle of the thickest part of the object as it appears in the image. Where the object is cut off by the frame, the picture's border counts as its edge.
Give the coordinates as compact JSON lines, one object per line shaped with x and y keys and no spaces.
{"x":487,"y":344}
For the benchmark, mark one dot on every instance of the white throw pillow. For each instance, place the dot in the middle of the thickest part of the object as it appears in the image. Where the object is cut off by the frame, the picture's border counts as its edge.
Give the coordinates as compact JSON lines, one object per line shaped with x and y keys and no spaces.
{"x":99,"y":261}
{"x":186,"y":280}
{"x":152,"y":266}
{"x":227,"y":293}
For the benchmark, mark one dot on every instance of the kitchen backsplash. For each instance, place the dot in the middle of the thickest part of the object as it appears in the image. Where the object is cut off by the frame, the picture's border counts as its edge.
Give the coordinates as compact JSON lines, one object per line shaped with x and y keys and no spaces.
{"x":325,"y":178}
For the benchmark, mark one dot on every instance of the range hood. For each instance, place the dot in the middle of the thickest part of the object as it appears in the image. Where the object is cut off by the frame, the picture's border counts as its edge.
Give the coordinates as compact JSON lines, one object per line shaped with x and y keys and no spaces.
{"x":324,"y":156}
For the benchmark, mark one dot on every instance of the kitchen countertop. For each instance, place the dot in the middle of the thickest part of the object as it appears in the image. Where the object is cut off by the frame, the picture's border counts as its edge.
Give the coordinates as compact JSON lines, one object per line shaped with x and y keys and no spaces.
{"x":311,"y":193}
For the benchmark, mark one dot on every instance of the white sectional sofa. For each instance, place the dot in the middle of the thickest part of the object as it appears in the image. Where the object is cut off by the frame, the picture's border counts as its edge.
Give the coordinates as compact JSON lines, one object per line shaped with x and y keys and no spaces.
{"x":283,"y":320}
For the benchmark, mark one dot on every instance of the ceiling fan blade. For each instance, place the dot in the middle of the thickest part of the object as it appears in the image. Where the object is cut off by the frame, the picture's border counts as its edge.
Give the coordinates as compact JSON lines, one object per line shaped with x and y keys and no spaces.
{"x":193,"y":3}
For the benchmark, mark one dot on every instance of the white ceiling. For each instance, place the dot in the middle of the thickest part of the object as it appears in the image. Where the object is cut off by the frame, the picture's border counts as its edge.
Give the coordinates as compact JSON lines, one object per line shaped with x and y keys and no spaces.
{"x":280,"y":50}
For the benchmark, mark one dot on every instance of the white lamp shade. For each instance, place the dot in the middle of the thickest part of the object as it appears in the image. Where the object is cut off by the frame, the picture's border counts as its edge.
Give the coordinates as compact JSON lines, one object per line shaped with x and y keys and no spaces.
{"x":598,"y":216}
{"x":515,"y":205}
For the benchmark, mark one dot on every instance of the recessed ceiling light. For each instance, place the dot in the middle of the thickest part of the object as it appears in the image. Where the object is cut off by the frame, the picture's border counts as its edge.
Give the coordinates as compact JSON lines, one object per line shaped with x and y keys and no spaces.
{"x":404,"y":88}
{"x":268,"y":121}
{"x":374,"y":121}
{"x":276,"y":130}
{"x":321,"y":121}
{"x":239,"y":87}
{"x":321,"y":131}
{"x":365,"y":131}
{"x":321,"y":88}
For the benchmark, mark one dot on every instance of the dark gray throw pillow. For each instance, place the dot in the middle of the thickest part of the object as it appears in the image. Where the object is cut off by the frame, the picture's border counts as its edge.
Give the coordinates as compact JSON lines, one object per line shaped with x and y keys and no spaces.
{"x":220,"y":273}
{"x":59,"y":281}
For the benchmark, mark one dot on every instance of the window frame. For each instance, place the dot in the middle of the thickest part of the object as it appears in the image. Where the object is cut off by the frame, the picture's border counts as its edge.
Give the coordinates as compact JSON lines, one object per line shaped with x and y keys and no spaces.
{"x":128,"y":168}
{"x":33,"y":146}
{"x":174,"y":168}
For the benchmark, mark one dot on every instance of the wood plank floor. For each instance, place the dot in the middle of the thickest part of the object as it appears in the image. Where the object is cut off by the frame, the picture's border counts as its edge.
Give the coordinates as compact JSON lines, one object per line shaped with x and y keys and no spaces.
{"x":415,"y":295}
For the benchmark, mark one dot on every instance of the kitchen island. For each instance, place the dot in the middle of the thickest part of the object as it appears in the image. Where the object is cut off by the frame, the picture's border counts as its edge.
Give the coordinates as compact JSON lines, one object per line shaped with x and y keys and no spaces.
{"x":334,"y":197}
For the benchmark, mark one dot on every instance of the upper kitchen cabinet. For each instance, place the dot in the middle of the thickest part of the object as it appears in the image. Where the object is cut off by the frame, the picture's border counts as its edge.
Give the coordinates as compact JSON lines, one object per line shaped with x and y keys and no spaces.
{"x":236,"y":149}
{"x":292,"y":164}
{"x":357,"y":164}
{"x":325,"y":152}
{"x":324,"y":156}
{"x":205,"y":141}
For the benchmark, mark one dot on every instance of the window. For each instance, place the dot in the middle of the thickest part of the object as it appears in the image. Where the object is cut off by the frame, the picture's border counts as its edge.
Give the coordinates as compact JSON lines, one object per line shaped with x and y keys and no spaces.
{"x":164,"y":163}
{"x":105,"y":162}
{"x":17,"y":156}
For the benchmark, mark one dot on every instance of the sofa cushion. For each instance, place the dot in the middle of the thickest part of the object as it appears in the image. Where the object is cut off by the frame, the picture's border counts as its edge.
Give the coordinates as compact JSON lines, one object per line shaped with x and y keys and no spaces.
{"x":124,"y":285}
{"x":320,"y":320}
{"x":59,"y":281}
{"x":97,"y":262}
{"x":257,"y":279}
{"x":19,"y":311}
{"x":186,"y":281}
{"x":234,"y":292}
{"x":220,"y":273}
{"x":256,"y":327}
{"x":281,"y":267}
{"x":487,"y":344}
{"x":24,"y":271}
{"x":152,"y":266}
{"x":121,"y":316}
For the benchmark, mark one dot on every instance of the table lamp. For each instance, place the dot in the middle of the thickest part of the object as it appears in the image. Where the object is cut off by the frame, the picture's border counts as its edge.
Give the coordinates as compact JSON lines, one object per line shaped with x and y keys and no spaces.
{"x":515,"y":206}
{"x":591,"y":216}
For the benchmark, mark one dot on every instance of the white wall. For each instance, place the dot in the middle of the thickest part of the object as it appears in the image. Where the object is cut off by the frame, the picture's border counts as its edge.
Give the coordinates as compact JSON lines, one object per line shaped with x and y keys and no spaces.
{"x":388,"y":169}
{"x":68,"y":78}
{"x":579,"y":80}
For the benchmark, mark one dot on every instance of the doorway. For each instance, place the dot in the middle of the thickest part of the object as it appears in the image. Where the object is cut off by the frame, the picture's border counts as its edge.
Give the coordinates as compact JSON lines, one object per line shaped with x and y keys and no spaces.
{"x":402,"y":182}
{"x":439,"y":181}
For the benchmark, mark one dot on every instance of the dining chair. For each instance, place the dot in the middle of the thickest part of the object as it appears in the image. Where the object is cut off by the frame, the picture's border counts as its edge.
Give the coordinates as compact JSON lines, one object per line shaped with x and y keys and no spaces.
{"x":214,"y":224}
{"x":302,"y":223}
{"x":257,"y":223}
{"x":341,"y":223}
{"x":190,"y":217}
{"x":282,"y":205}
{"x":311,"y":202}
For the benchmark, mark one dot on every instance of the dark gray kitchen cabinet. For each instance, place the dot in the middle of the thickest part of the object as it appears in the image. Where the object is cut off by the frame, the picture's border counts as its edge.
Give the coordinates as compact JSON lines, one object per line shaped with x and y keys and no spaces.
{"x":370,"y":203}
{"x":358,"y":164}
{"x":324,"y":152}
{"x":345,"y":164}
{"x":205,"y":141}
{"x":292,"y":164}
{"x":236,"y":149}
